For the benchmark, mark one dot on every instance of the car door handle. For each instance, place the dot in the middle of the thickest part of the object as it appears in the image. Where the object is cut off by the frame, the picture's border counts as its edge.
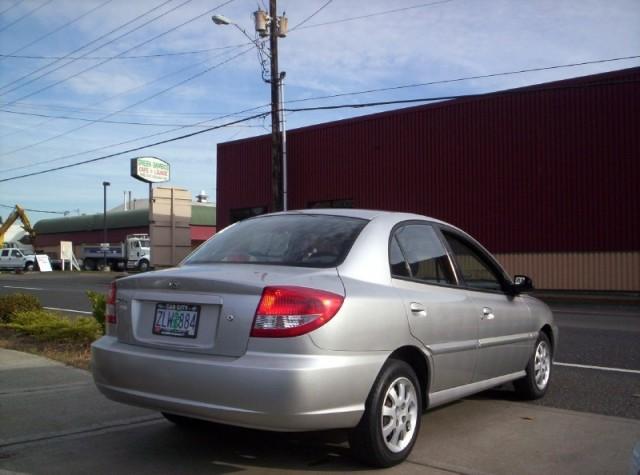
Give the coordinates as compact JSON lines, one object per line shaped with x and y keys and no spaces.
{"x":487,"y":314}
{"x":418,"y":309}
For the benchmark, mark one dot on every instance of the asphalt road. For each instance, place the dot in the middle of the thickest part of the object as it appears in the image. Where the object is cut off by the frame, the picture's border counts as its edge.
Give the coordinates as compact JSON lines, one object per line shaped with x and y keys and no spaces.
{"x":597,"y":364}
{"x":58,"y":290}
{"x":53,"y":420}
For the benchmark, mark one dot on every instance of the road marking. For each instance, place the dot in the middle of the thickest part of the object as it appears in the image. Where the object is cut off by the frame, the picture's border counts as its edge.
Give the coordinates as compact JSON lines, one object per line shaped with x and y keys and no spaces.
{"x":23,"y":288}
{"x":67,"y":310}
{"x":601,"y":368}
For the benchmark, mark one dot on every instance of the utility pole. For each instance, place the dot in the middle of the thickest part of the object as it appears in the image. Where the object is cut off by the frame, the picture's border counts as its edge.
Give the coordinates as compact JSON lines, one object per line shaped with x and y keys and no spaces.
{"x":274,"y":27}
{"x":104,"y":223}
{"x":276,"y":135}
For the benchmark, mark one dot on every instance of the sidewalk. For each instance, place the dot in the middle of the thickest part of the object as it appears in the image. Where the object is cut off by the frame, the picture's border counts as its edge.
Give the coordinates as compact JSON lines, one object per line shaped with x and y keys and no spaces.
{"x":55,"y":421}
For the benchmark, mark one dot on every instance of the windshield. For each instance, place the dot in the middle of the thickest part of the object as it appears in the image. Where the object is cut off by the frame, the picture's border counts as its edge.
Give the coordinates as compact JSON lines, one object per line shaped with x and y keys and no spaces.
{"x":295,"y":240}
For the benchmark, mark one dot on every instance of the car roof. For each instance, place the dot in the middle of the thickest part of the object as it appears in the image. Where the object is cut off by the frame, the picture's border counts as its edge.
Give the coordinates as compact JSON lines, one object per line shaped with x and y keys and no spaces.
{"x":367,"y":214}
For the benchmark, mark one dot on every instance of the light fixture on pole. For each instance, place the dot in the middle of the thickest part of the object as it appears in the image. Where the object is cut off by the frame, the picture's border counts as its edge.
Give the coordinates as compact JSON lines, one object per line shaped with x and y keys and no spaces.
{"x":274,"y":27}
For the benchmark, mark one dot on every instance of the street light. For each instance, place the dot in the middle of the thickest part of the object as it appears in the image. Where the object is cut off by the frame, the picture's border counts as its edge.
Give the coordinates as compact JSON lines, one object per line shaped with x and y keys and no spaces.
{"x":104,"y":222}
{"x":274,"y":27}
{"x":221,"y":20}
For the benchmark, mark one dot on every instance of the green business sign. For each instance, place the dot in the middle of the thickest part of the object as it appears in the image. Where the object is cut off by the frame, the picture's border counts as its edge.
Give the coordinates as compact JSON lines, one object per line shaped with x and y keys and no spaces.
{"x":149,"y":169}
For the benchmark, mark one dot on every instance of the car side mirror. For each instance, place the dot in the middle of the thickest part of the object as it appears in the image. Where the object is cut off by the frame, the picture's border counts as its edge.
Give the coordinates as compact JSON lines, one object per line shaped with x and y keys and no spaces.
{"x":521,"y":283}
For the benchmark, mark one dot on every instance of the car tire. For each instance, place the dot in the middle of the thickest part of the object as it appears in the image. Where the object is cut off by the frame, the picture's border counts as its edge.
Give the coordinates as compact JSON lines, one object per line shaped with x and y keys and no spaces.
{"x":143,"y":265}
{"x":391,"y":421}
{"x":535,"y":383}
{"x":29,"y":266}
{"x":89,"y":264}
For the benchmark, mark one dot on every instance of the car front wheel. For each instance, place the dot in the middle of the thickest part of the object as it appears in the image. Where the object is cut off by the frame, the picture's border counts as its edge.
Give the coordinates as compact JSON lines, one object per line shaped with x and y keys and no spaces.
{"x":391,"y":421}
{"x":535,"y":383}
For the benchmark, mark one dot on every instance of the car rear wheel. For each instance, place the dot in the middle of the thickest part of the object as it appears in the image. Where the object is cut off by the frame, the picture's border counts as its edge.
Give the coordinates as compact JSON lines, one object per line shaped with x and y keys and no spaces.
{"x":391,"y":421}
{"x":535,"y":383}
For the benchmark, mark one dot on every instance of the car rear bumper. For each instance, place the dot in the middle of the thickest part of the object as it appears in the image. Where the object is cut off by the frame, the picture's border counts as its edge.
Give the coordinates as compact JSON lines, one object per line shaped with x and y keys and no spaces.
{"x":281,"y":392}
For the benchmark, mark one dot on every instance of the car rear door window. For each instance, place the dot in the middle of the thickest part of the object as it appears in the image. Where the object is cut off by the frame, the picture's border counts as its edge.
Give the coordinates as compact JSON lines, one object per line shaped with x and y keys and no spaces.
{"x":475,"y":270}
{"x":399,"y":267}
{"x":424,"y":254}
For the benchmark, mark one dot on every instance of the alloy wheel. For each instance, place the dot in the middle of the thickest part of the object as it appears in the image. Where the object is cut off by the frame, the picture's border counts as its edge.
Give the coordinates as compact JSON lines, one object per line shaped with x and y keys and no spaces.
{"x":399,"y":414}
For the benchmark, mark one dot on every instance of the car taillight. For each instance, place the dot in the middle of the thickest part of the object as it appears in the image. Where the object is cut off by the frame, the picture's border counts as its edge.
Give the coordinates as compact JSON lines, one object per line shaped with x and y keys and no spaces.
{"x":293,"y":311}
{"x":110,"y":316}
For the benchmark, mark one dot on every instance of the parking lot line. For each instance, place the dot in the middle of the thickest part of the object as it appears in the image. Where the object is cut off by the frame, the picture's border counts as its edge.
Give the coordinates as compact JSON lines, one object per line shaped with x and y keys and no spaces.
{"x":601,"y":368}
{"x":67,"y":310}
{"x":23,"y":288}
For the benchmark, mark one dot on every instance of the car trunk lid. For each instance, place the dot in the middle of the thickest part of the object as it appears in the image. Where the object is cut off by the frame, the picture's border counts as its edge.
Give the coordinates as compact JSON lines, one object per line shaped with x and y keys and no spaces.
{"x":222,"y":298}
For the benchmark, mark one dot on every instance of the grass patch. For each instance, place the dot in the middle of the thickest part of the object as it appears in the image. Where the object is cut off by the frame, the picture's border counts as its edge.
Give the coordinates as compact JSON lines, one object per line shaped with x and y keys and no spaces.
{"x":73,"y":354}
{"x":13,"y":303}
{"x":44,"y":325}
{"x":50,"y":334}
{"x":98,"y":306}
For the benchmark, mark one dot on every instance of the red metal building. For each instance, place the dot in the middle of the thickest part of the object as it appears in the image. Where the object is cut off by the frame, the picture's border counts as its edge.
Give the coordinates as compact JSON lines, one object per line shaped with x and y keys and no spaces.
{"x":546,"y":176}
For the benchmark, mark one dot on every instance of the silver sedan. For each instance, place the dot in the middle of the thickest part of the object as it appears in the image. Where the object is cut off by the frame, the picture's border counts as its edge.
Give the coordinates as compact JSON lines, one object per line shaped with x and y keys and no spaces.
{"x":323,"y":319}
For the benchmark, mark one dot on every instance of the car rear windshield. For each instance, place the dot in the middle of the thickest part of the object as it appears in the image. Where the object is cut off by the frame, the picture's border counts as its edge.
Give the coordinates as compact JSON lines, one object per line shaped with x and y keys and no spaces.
{"x":303,"y":240}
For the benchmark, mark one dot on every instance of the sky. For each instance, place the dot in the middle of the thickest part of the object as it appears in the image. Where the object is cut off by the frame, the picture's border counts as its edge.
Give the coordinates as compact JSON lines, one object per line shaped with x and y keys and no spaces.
{"x":83,"y":79}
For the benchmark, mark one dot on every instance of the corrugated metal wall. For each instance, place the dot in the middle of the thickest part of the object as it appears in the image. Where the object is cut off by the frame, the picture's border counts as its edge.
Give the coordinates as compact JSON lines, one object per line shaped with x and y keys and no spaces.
{"x":596,"y":271}
{"x":533,"y":171}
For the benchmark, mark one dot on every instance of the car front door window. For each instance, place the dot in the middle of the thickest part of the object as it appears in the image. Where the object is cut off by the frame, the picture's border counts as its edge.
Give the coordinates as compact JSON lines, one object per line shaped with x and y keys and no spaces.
{"x":477,"y":274}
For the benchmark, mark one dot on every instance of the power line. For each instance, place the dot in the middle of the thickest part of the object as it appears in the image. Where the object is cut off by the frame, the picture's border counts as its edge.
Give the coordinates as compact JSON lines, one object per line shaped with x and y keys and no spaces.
{"x":132,"y":48}
{"x":36,"y":210}
{"x":162,"y":142}
{"x":311,"y":16}
{"x":386,"y":12}
{"x":4,"y":86}
{"x":119,"y":122}
{"x":84,"y":109}
{"x":52,"y":32}
{"x":340,"y":106}
{"x":146,"y":99}
{"x":30,"y":12}
{"x":466,"y":78}
{"x":140,"y":56}
{"x":125,"y":142}
{"x":12,"y":6}
{"x":324,"y":97}
{"x":88,"y":109}
{"x":463,"y":96}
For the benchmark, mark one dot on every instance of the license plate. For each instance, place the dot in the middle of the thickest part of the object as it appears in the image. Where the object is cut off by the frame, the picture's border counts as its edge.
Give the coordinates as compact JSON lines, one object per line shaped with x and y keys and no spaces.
{"x":176,"y":319}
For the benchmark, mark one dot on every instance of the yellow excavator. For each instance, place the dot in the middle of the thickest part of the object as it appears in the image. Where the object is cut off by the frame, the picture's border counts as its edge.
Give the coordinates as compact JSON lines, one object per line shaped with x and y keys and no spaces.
{"x":17,"y":213}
